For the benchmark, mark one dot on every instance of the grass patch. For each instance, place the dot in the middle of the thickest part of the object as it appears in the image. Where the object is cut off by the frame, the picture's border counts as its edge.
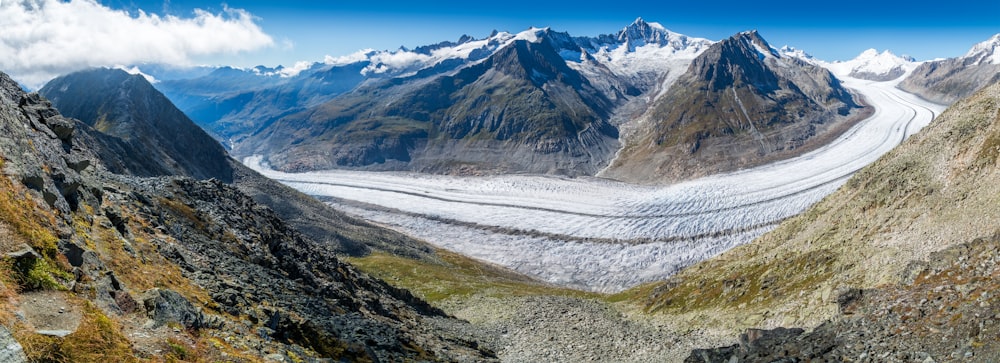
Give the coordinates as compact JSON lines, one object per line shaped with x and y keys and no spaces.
{"x":33,"y":274}
{"x":756,"y":286}
{"x":19,"y":210}
{"x":457,"y":277}
{"x":185,"y":211}
{"x":177,"y":351}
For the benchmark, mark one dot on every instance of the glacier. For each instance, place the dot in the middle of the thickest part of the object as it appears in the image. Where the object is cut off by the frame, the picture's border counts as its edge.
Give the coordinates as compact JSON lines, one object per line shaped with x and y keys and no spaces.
{"x":603,"y":235}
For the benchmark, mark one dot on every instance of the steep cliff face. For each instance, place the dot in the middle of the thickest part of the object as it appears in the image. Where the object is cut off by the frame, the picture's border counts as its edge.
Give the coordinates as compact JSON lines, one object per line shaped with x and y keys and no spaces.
{"x":143,"y":255}
{"x":739,"y":104}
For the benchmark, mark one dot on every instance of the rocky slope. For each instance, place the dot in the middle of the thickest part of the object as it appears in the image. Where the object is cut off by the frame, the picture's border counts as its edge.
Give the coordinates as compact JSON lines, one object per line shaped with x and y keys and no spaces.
{"x":942,"y":309}
{"x":740,"y":103}
{"x":883,"y":230}
{"x":178,"y":267}
{"x":948,"y":80}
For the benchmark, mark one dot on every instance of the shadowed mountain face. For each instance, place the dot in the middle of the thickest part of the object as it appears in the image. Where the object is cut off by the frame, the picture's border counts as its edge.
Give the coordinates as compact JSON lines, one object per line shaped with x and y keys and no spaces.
{"x":739,"y":104}
{"x":520,"y":110}
{"x":144,"y":134}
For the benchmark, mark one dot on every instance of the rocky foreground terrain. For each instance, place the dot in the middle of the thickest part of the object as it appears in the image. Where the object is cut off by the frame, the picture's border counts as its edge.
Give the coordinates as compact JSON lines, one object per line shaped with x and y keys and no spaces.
{"x":943,"y":309}
{"x":177,"y":268}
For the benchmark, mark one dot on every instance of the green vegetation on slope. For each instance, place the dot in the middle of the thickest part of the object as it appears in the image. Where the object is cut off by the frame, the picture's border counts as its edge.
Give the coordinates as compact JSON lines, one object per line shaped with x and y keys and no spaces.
{"x":456,"y":277}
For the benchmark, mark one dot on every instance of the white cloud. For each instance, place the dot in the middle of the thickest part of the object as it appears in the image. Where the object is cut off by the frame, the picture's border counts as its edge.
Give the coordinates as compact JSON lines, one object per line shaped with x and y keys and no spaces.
{"x":348,"y":59}
{"x":400,"y":59}
{"x":135,"y":70}
{"x":394,"y":61}
{"x":41,"y":39}
{"x":296,"y":69}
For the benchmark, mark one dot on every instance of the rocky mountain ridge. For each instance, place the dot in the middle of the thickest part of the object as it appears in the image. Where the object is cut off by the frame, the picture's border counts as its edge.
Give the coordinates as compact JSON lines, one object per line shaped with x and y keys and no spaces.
{"x":739,"y":104}
{"x":133,"y":118}
{"x":595,"y":85}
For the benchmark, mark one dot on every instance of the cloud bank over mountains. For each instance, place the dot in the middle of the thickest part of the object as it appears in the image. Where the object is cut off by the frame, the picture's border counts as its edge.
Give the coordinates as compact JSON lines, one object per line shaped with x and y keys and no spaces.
{"x":45,"y":38}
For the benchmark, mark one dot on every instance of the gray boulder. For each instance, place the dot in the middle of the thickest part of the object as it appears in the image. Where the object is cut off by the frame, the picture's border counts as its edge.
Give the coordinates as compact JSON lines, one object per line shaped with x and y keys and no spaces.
{"x":164,"y":306}
{"x":10,"y":350}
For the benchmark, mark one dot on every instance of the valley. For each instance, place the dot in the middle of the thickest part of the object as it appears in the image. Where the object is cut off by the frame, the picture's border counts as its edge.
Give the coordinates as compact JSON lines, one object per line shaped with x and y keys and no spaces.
{"x":603,"y":235}
{"x":639,"y":195}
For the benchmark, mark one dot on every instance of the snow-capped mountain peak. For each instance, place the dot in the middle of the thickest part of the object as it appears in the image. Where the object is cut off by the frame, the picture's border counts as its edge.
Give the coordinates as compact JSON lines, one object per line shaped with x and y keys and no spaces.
{"x":752,"y":39}
{"x":641,"y":33}
{"x":885,"y":56}
{"x":792,"y":52}
{"x":987,"y":52}
{"x":532,"y":35}
{"x":873,"y":65}
{"x":404,"y":60}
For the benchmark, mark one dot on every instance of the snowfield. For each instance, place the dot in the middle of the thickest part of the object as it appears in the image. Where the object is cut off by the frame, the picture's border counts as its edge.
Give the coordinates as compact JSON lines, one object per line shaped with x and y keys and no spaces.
{"x":603,"y":235}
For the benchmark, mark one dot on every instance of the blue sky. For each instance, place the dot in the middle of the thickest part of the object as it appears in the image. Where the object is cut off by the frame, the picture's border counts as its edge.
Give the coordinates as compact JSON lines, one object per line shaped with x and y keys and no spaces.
{"x":836,"y":30}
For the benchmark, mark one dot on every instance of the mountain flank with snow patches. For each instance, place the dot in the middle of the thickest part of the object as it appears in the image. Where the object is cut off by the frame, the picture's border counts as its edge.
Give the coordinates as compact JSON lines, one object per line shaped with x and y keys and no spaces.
{"x":948,"y":80}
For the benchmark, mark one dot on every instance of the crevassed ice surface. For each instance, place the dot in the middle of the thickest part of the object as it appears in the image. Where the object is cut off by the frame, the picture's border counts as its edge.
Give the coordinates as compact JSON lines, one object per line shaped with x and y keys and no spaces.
{"x":604,"y":235}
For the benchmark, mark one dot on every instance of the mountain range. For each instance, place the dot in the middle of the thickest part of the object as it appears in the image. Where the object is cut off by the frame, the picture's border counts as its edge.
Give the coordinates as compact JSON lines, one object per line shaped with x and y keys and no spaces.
{"x":471,"y":106}
{"x":460,"y":107}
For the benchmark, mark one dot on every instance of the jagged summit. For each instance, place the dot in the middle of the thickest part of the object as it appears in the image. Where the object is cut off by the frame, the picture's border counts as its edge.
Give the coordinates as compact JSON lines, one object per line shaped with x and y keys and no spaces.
{"x":643,"y":32}
{"x":753,"y":39}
